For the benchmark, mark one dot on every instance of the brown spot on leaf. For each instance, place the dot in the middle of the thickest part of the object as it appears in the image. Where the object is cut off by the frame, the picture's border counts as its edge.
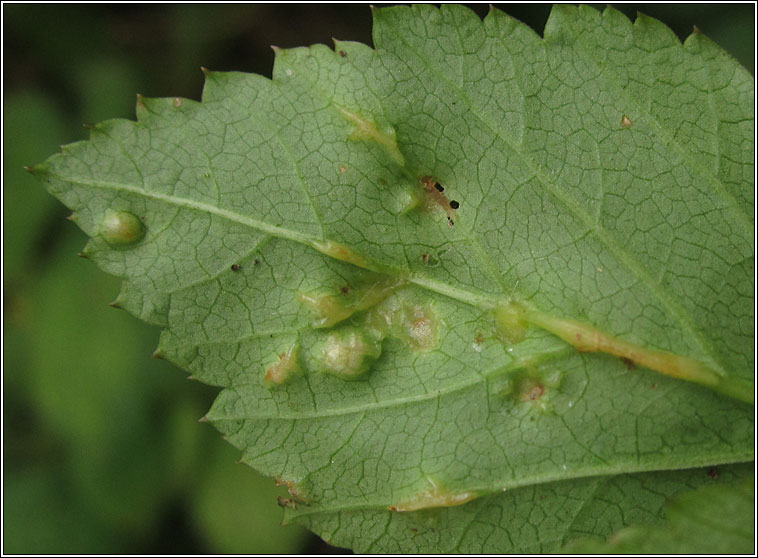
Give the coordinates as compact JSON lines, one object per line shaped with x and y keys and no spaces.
{"x":626,"y":122}
{"x":280,"y":371}
{"x":286,"y":502}
{"x":295,"y":490}
{"x":534,"y":393}
{"x":713,"y":473}
{"x":629,"y":363}
{"x":342,"y":53}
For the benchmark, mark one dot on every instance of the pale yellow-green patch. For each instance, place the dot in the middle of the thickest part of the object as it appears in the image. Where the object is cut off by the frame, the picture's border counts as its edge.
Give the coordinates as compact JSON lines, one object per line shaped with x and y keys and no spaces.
{"x":587,"y":338}
{"x":626,"y":122}
{"x":530,"y":386}
{"x":367,"y":129}
{"x":340,"y":252}
{"x":402,"y":201}
{"x":328,"y":308}
{"x":282,"y":370}
{"x":421,"y":327}
{"x":416,"y":324}
{"x":331,"y":309}
{"x":434,"y":496}
{"x":347,"y":352}
{"x":509,"y":324}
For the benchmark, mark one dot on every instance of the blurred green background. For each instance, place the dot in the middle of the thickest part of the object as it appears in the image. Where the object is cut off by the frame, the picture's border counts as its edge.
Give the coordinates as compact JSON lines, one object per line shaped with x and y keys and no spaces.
{"x":102,"y":449}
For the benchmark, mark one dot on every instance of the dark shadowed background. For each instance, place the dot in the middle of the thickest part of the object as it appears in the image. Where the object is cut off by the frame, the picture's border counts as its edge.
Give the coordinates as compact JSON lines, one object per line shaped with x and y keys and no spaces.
{"x":102,"y":449}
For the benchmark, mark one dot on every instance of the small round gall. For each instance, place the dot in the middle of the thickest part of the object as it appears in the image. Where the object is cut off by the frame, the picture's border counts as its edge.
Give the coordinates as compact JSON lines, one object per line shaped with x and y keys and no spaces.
{"x":121,"y":228}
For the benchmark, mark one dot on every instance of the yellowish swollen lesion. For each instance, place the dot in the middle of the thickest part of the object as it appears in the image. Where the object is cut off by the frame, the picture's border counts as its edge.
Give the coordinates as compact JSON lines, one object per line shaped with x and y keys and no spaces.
{"x":340,"y":252}
{"x":367,"y":129}
{"x":331,"y":309}
{"x":280,"y":371}
{"x":433,"y":496}
{"x":587,"y":338}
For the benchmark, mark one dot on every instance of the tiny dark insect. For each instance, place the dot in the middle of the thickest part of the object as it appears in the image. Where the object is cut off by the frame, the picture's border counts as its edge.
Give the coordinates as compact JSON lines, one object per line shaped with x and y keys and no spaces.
{"x":713,"y":473}
{"x":629,"y":363}
{"x":345,"y":289}
{"x":454,"y":204}
{"x":256,"y":262}
{"x":235,"y":267}
{"x":342,"y":53}
{"x":425,"y":258}
{"x":439,"y":187}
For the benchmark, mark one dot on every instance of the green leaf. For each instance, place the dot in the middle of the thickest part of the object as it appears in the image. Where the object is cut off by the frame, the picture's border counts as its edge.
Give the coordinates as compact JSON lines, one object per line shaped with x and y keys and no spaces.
{"x":713,"y":520}
{"x":469,"y":261}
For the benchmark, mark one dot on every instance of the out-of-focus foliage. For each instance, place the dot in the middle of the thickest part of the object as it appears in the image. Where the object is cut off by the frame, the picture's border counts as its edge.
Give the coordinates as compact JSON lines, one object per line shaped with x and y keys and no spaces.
{"x":95,"y":457}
